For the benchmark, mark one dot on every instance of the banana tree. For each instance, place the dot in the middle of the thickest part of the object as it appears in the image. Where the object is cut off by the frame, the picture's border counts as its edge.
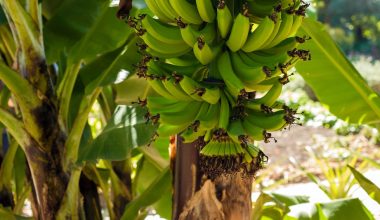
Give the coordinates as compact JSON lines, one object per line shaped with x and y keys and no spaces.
{"x":55,"y":64}
{"x":66,"y":65}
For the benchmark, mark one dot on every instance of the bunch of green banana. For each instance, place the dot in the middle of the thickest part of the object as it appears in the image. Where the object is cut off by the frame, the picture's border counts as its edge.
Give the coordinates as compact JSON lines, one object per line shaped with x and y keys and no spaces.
{"x":217,"y":68}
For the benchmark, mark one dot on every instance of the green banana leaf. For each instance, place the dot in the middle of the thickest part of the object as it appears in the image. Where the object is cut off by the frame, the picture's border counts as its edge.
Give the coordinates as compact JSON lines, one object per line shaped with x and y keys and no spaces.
{"x":275,"y":206}
{"x":83,"y":29}
{"x":105,"y":35}
{"x":71,"y":22}
{"x":104,"y":69}
{"x":3,"y":19}
{"x":341,"y":209}
{"x":19,"y":167}
{"x":335,"y":81}
{"x":50,"y":7}
{"x":156,"y":190}
{"x":289,"y":200}
{"x":344,"y":209}
{"x":130,"y":90}
{"x":8,"y":215}
{"x":150,"y":167}
{"x":372,"y":190}
{"x":126,"y":130}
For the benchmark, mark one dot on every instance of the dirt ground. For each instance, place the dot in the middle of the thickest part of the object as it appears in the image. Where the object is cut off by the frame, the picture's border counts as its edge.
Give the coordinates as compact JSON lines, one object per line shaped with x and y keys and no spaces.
{"x":292,"y":143}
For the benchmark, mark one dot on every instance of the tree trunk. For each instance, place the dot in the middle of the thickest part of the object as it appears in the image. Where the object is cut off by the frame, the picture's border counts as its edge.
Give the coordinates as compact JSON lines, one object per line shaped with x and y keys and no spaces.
{"x":49,"y":179}
{"x":187,"y":176}
{"x":227,"y":197}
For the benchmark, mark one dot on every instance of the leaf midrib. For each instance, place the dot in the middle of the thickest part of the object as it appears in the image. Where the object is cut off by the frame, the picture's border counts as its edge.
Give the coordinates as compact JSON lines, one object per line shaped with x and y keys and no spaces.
{"x":346,"y":75}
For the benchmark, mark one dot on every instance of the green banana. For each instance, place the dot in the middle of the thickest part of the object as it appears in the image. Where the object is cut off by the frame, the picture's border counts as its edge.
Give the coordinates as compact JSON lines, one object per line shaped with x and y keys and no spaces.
{"x":186,"y":116}
{"x":297,"y":21}
{"x":224,"y":151}
{"x":235,"y":130}
{"x":288,"y":3}
{"x":164,"y":48}
{"x":247,"y":59}
{"x":281,"y":48}
{"x":179,"y":70}
{"x":163,"y":104}
{"x":224,"y":115}
{"x":152,"y":5}
{"x":175,"y":90}
{"x":197,"y":129}
{"x":211,"y":118}
{"x":253,"y":131}
{"x":210,"y":94}
{"x":162,"y":32}
{"x":234,"y":85}
{"x":229,"y":146}
{"x":262,"y":9}
{"x":190,"y":34}
{"x":265,"y":85}
{"x":166,"y":54}
{"x":187,"y":11}
{"x":185,"y":60}
{"x":231,"y":99}
{"x":219,"y":149}
{"x":239,"y":149}
{"x":208,"y":135}
{"x":249,"y":74}
{"x":165,"y":130}
{"x":160,"y":88}
{"x":205,"y":106}
{"x":259,"y":36}
{"x":206,"y":10}
{"x":211,"y":149}
{"x":252,"y":150}
{"x":191,"y":87}
{"x":268,"y":99}
{"x":224,"y":19}
{"x":276,"y":28}
{"x":247,"y":159}
{"x":268,"y":121}
{"x":286,"y":25}
{"x":190,"y":135}
{"x":204,"y":52}
{"x":154,"y":69}
{"x":232,"y":148}
{"x":239,"y":33}
{"x":165,"y":7}
{"x":265,"y":59}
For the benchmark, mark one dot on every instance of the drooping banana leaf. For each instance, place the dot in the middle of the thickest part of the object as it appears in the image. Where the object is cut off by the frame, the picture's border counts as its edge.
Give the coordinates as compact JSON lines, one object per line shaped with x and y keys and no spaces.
{"x":127,"y":129}
{"x":372,"y":190}
{"x":335,"y":81}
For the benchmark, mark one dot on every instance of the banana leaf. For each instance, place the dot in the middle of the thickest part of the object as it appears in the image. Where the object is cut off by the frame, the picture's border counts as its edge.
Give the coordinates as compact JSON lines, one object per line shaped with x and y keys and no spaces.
{"x":84,"y":29}
{"x":372,"y":190}
{"x":127,"y":129}
{"x":159,"y":187}
{"x":334,"y":80}
{"x":340,"y":209}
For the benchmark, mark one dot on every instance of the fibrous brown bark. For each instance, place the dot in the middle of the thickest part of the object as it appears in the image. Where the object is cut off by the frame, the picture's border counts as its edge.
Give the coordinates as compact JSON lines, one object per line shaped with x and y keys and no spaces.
{"x":186,"y":174}
{"x":45,"y":153}
{"x":49,"y":179}
{"x":226,"y":197}
{"x":45,"y":141}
